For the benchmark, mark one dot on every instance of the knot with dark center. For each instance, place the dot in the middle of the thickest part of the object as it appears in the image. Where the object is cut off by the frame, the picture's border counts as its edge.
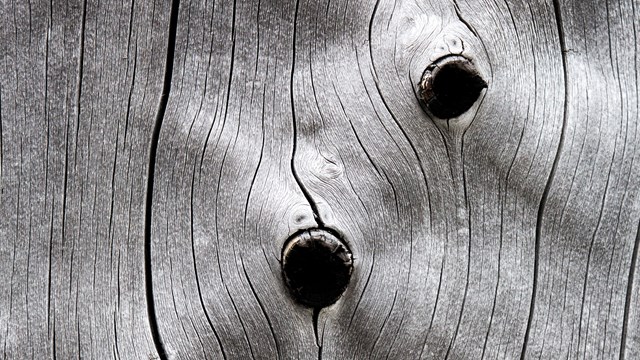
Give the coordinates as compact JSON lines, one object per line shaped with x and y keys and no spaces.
{"x":316,"y":266}
{"x":450,"y":86}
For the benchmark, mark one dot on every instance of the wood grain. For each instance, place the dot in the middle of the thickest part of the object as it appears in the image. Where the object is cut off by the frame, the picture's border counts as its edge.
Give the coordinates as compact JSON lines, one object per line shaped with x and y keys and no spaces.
{"x":590,"y":220}
{"x":155,"y":157}
{"x":442,"y":213}
{"x":225,"y":196}
{"x":80,"y":84}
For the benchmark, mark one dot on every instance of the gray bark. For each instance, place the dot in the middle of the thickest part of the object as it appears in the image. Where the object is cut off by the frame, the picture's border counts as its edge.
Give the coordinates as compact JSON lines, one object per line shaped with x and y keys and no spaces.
{"x":155,"y":157}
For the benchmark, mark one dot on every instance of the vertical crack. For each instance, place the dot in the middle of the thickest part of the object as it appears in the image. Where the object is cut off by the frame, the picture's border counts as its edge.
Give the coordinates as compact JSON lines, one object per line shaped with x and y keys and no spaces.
{"x":305,"y":191}
{"x":627,"y":303}
{"x":545,"y":194}
{"x":315,"y":317}
{"x":166,"y":88}
{"x":307,"y":195}
{"x":316,"y":314}
{"x":65,"y":181}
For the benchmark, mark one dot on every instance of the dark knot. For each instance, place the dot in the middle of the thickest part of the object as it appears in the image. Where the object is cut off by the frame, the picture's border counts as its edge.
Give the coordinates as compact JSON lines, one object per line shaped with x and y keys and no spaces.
{"x":316,"y":266}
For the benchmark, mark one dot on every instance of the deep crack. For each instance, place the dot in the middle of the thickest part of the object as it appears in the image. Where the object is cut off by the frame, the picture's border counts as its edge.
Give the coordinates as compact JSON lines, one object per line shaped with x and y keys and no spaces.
{"x":162,"y":107}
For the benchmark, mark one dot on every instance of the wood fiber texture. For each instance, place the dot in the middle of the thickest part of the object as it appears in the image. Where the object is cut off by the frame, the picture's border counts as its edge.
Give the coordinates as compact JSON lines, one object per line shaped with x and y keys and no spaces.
{"x":156,"y":156}
{"x":80,"y":87}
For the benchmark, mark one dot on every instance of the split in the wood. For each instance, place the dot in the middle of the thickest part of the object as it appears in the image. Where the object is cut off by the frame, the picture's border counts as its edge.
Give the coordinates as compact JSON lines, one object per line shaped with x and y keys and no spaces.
{"x":450,"y":86}
{"x":316,"y":266}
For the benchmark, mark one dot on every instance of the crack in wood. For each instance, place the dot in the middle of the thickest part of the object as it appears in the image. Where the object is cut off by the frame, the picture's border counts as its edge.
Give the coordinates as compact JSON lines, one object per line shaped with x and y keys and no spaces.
{"x":629,"y":295}
{"x":109,"y":253}
{"x":545,"y":194}
{"x":153,"y":148}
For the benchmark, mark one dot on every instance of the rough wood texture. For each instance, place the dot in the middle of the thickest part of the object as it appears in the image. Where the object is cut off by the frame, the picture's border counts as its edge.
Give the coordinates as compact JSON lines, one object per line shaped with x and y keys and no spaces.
{"x":80,"y":86}
{"x":137,"y":225}
{"x":589,"y":224}
{"x":225,"y":198}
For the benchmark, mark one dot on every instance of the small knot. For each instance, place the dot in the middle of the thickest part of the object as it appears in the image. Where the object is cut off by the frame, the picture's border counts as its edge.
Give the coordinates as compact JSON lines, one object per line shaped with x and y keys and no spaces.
{"x":316,"y":266}
{"x":450,"y":86}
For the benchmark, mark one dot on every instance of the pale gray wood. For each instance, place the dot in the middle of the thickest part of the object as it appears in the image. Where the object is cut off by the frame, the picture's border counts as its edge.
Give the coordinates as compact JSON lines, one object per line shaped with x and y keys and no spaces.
{"x":225,"y":197}
{"x":442,"y":215}
{"x":631,"y":325}
{"x":590,"y":219}
{"x":510,"y":232}
{"x":80,"y":86}
{"x":501,"y":197}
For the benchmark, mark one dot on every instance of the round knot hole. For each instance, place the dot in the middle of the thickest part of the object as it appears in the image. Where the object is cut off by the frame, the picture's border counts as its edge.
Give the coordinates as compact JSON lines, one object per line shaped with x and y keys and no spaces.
{"x":316,"y":267}
{"x":450,"y":86}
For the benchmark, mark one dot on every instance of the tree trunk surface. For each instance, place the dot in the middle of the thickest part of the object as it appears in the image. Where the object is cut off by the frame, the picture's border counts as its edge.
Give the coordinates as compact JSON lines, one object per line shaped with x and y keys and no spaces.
{"x":155,"y":156}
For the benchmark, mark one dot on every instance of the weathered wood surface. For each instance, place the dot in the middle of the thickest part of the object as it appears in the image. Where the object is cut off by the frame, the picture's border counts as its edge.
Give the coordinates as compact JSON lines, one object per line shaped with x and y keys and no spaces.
{"x":155,"y":157}
{"x":81,"y":83}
